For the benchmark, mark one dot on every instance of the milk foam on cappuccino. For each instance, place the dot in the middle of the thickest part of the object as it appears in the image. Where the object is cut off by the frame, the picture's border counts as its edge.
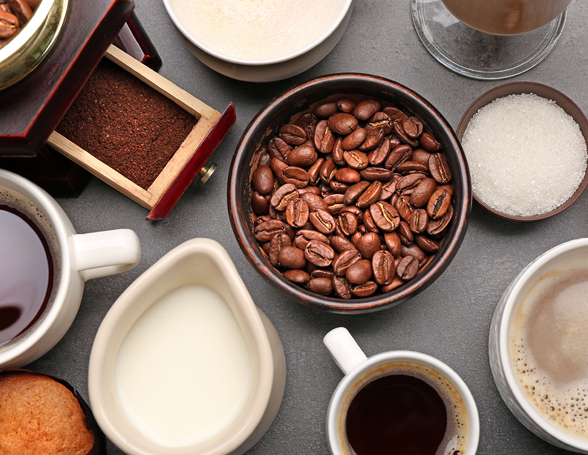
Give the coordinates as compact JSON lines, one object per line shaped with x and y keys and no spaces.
{"x":548,"y":345}
{"x":257,"y":29}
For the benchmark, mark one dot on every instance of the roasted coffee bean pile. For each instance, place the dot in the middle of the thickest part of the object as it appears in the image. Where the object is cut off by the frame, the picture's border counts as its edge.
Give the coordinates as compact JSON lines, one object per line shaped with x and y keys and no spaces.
{"x":351,"y":198}
{"x":14,"y":14}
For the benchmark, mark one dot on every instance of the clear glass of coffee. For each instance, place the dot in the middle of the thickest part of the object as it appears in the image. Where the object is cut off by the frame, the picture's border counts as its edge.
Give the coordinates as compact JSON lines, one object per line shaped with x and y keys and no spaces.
{"x":489,"y":39}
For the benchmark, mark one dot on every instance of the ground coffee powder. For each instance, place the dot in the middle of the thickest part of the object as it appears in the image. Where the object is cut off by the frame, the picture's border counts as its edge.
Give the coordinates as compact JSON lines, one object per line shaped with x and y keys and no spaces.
{"x":126,"y":124}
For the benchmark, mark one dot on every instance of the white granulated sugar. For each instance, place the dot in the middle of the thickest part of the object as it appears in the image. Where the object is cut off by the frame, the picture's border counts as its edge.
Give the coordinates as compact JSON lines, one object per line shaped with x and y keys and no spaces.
{"x":526,"y":155}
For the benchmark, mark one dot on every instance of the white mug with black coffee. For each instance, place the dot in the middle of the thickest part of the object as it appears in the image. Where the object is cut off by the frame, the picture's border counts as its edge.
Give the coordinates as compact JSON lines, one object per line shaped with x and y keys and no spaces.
{"x":538,"y":344}
{"x":398,"y":402}
{"x":43,"y":267}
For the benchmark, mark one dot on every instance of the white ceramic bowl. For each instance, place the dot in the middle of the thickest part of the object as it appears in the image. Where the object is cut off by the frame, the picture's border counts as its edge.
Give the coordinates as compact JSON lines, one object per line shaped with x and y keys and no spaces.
{"x":200,"y":262}
{"x":267,"y":70}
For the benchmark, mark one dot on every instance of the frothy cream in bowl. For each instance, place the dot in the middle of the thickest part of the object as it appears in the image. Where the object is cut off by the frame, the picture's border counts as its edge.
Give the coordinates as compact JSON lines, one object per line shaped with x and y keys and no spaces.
{"x":257,"y":31}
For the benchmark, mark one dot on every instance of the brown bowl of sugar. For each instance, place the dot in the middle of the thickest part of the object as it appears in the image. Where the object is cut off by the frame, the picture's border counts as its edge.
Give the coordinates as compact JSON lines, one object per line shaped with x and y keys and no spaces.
{"x":526,"y":149}
{"x":349,"y":193}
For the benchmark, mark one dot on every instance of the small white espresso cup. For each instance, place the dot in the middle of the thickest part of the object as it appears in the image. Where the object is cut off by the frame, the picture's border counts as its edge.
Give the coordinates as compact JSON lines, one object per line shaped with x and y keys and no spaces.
{"x":360,"y":371}
{"x":559,"y":260}
{"x":79,"y":257}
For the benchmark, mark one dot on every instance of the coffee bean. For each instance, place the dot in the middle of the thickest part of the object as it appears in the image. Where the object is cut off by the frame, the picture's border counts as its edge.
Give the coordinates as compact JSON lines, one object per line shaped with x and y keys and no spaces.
{"x":347,"y":175}
{"x":439,"y":168}
{"x":292,"y":134}
{"x":326,"y":110}
{"x":411,"y":166}
{"x":344,"y":261}
{"x":429,"y":143}
{"x":297,"y":213}
{"x":315,"y":169}
{"x":356,"y":160}
{"x":9,"y":25}
{"x":297,"y":276}
{"x":283,"y":195}
{"x":296,"y":176}
{"x":264,"y":232}
{"x":385,"y":216}
{"x":383,"y":267}
{"x":378,"y":156}
{"x":319,"y":253}
{"x":426,"y":244}
{"x":338,"y":152}
{"x":415,"y":251}
{"x":418,"y":221}
{"x":421,"y":156}
{"x":305,"y":235}
{"x":341,"y":244}
{"x":368,"y":244}
{"x":277,"y":166}
{"x":395,"y":114}
{"x":376,"y":173}
{"x":259,"y":204}
{"x":370,"y":195}
{"x":407,"y":268}
{"x":278,"y":148}
{"x":359,"y":272}
{"x":438,"y":204}
{"x":328,"y":171}
{"x":322,"y":273}
{"x":437,"y":227}
{"x":398,"y":155}
{"x":381,"y":120}
{"x":335,"y":203}
{"x":354,"y":192}
{"x":307,"y":121}
{"x":338,"y":187}
{"x":346,"y":105}
{"x":276,"y":244}
{"x":302,"y":156}
{"x":322,"y":286}
{"x":324,"y":139}
{"x":423,"y":192}
{"x":404,"y":138}
{"x":341,"y":287}
{"x":366,"y":108}
{"x":364,"y":290}
{"x":393,"y":243}
{"x":405,"y":234}
{"x":347,"y":223}
{"x":314,"y":201}
{"x":413,"y":127}
{"x":374,"y":137}
{"x":342,"y":123}
{"x":355,"y":139}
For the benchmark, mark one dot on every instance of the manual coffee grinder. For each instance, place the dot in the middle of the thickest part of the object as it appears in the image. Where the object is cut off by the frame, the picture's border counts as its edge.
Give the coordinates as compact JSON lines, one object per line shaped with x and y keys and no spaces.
{"x":42,"y":71}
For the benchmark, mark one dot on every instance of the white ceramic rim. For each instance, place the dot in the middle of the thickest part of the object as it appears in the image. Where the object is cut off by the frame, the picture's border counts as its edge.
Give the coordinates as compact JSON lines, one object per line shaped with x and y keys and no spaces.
{"x":399,"y":356}
{"x":178,"y":23}
{"x":50,"y":208}
{"x":110,"y":323}
{"x":520,"y":282}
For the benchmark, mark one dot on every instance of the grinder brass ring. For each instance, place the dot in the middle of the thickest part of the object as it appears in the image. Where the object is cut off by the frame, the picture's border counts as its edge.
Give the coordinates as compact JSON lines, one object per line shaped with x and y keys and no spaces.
{"x":22,"y":55}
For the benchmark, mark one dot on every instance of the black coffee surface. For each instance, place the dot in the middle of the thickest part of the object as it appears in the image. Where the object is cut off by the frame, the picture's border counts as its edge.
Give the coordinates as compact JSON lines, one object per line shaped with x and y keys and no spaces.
{"x":26,"y":273}
{"x":397,"y":414}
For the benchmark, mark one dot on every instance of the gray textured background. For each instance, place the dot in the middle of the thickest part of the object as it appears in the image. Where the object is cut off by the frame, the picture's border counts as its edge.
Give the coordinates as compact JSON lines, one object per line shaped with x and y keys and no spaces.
{"x":449,"y":320}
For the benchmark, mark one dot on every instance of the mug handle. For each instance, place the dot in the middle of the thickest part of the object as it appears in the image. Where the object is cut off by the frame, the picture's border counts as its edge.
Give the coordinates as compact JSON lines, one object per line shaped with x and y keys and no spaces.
{"x":100,"y":254}
{"x":344,"y":349}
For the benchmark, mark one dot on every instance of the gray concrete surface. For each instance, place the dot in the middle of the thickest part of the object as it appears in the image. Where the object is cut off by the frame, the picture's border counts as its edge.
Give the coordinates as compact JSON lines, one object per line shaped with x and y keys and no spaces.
{"x":449,"y":320}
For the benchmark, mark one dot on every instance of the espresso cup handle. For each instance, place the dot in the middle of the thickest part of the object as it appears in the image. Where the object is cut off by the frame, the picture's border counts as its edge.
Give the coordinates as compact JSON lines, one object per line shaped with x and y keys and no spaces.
{"x":99,"y":254}
{"x":344,"y":349}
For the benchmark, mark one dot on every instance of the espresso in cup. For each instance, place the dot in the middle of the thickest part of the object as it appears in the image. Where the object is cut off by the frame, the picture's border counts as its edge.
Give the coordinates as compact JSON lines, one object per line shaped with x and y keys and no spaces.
{"x":29,"y":265}
{"x":548,"y":340}
{"x":397,"y":402}
{"x":403,"y":407}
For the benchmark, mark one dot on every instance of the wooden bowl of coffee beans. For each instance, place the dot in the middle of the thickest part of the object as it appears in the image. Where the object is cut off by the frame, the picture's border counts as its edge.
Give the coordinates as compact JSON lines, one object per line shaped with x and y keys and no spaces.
{"x":349,"y":193}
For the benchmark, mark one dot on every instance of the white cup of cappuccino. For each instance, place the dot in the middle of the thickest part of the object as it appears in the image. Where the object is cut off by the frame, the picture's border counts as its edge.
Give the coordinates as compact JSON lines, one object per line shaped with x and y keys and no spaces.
{"x":397,"y":401}
{"x":537,"y":346}
{"x":38,"y":305}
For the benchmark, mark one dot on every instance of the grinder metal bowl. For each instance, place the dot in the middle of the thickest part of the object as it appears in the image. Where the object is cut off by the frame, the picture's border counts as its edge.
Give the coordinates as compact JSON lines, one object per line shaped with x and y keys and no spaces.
{"x":27,"y":49}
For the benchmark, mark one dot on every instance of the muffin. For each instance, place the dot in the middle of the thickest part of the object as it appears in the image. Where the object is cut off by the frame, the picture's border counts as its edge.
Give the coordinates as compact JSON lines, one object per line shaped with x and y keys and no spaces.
{"x":40,"y":416}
